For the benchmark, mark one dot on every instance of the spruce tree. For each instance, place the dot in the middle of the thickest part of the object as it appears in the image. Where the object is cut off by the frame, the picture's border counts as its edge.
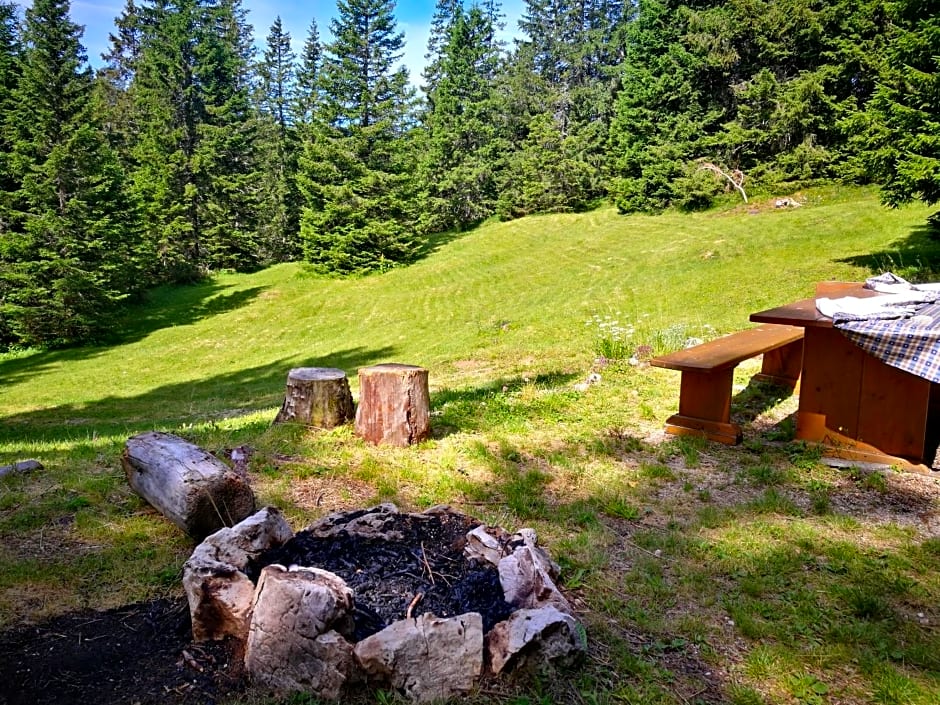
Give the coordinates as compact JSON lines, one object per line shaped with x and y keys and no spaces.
{"x":570,"y":53}
{"x":70,"y":252}
{"x":280,"y":221}
{"x":902,"y":139}
{"x":306,"y":90}
{"x":356,"y":171}
{"x":196,"y":151}
{"x":445,"y":14}
{"x":465,"y":141}
{"x":9,"y":77}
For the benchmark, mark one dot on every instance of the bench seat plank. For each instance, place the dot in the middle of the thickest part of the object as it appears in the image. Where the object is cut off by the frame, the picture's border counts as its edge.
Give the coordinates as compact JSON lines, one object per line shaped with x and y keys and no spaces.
{"x":708,"y":370}
{"x":731,"y":349}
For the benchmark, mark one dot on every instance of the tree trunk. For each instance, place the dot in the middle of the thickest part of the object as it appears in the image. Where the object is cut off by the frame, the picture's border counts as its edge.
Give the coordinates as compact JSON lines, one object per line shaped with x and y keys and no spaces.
{"x":193,"y":489}
{"x":317,"y":396}
{"x":394,"y":404}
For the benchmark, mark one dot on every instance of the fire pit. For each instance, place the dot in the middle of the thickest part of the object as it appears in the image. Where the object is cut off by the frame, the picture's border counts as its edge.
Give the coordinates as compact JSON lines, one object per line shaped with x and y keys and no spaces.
{"x":424,"y":603}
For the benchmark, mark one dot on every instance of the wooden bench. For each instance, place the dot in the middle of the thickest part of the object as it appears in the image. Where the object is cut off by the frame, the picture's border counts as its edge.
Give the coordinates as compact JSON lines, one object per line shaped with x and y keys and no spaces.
{"x":708,"y":369}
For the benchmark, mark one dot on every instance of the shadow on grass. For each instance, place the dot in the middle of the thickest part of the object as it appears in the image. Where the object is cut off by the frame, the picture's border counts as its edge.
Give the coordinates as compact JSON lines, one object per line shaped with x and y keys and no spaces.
{"x":916,"y":257}
{"x":174,"y":405}
{"x":178,"y":306}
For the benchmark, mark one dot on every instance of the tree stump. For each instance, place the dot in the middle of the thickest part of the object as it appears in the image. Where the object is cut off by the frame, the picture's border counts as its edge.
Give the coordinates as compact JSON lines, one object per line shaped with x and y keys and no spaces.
{"x":394,"y":404}
{"x":190,"y":487}
{"x":317,"y":396}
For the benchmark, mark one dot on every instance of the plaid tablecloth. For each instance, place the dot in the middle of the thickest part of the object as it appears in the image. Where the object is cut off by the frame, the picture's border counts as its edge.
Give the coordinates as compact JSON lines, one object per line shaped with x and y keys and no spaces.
{"x":910,"y":343}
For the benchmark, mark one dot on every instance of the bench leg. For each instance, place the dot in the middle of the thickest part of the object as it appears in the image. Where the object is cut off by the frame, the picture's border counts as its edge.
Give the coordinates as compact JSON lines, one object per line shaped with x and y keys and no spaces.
{"x":783,"y":365}
{"x":705,"y":407}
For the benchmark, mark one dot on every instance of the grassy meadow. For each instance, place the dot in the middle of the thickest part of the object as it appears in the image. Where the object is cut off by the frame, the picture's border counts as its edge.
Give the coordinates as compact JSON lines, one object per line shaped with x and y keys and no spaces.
{"x":748,"y":575}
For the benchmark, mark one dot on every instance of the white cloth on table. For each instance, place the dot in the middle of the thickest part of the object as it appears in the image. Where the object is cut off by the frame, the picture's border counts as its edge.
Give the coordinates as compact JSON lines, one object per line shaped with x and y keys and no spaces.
{"x":897,"y":305}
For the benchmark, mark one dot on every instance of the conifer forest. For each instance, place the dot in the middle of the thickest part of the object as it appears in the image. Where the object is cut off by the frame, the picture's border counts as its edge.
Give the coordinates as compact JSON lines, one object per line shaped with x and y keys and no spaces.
{"x":191,"y":151}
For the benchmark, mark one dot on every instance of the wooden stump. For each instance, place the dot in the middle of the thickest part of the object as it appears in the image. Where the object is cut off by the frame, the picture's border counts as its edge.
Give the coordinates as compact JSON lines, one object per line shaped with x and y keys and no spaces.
{"x":317,"y":396}
{"x":394,"y":404}
{"x":193,"y":489}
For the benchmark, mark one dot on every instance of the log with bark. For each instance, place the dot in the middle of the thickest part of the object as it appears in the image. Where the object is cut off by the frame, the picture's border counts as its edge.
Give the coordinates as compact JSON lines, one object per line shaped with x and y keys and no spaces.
{"x":189,"y":486}
{"x":317,"y":396}
{"x":394,"y":404}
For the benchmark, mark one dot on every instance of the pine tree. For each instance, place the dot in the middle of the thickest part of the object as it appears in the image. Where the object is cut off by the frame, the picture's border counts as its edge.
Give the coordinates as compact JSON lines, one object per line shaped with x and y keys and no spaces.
{"x":357,"y":165}
{"x":70,"y":255}
{"x":9,"y":77}
{"x":115,"y":79}
{"x":570,"y":54}
{"x":227,"y":160}
{"x":902,"y":139}
{"x":280,"y":221}
{"x":306,"y":91}
{"x":445,"y":14}
{"x":196,"y":154}
{"x":465,"y":141}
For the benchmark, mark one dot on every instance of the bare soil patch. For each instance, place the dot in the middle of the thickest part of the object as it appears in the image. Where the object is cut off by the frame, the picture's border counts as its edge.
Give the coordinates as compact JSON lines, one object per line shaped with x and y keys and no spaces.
{"x":139,"y":653}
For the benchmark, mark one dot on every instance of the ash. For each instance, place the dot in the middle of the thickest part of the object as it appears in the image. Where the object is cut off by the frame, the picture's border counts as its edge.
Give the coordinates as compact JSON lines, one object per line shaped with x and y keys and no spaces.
{"x":386,"y":574}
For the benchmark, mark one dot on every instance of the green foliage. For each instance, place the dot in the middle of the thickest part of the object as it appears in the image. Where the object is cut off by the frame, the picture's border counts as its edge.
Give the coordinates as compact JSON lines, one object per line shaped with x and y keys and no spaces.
{"x":196,"y":151}
{"x":757,"y":88}
{"x":279,"y":221}
{"x":902,"y":129}
{"x":70,"y":251}
{"x":462,"y":150}
{"x":357,"y":168}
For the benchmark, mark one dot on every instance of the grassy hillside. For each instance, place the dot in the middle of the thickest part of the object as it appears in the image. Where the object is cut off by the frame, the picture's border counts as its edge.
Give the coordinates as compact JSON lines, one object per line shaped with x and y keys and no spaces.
{"x":746,"y":575}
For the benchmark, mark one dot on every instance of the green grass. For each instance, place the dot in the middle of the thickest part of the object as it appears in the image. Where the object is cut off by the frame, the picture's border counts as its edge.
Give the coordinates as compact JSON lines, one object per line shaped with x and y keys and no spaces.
{"x":783,"y":580}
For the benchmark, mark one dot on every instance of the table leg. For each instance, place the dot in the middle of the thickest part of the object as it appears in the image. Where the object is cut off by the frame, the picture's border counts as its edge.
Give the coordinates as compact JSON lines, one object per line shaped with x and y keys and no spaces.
{"x":705,"y":407}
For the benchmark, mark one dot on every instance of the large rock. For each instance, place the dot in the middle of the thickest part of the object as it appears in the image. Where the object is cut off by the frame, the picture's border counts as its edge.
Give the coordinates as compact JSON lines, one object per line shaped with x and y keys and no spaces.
{"x":486,"y":544}
{"x":526,"y":578}
{"x":218,"y":590}
{"x":295,"y":640}
{"x":427,"y":658}
{"x":531,"y":639}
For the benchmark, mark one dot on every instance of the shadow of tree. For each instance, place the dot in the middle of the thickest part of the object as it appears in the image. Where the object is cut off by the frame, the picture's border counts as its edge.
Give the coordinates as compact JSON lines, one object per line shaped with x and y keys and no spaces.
{"x":436,"y":241}
{"x":171,"y":406}
{"x":182,"y":305}
{"x":915,"y":257}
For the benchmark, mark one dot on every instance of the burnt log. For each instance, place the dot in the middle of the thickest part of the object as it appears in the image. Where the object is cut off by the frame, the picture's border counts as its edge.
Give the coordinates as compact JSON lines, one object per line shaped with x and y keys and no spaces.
{"x":189,"y":486}
{"x":317,"y":396}
{"x":394,"y":404}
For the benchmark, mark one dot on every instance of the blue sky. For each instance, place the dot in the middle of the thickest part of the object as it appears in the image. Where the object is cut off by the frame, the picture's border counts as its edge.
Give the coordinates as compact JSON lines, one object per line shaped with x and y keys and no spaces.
{"x":414,"y":17}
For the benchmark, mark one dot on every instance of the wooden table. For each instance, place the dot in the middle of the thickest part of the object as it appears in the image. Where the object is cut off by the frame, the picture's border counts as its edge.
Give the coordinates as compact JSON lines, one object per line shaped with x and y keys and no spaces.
{"x":857,"y":406}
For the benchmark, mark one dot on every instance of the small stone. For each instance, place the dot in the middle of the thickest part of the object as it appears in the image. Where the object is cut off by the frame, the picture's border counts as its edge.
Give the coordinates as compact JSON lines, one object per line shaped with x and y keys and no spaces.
{"x":21,"y":467}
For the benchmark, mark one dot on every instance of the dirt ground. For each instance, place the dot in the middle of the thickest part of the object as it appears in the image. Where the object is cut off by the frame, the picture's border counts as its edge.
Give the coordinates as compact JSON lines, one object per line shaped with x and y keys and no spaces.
{"x":138,"y":654}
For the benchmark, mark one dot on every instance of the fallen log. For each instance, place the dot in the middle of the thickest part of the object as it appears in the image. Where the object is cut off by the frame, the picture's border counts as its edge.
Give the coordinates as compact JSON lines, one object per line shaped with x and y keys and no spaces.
{"x":189,"y":486}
